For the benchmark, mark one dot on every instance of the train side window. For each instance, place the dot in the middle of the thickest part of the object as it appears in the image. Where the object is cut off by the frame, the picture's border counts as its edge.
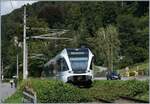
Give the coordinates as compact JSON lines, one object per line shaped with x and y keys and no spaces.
{"x":64,"y":66}
{"x":59,"y":65}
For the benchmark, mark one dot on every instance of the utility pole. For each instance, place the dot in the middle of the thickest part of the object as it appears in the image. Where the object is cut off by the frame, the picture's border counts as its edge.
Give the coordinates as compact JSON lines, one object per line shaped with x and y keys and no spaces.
{"x":0,"y":48}
{"x":24,"y":47}
{"x":16,"y":43}
{"x":2,"y":71}
{"x":17,"y":67}
{"x":122,"y":3}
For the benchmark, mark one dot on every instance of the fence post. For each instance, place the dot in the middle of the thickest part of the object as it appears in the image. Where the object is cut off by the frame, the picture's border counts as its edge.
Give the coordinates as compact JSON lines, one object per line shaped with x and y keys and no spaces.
{"x":29,"y":97}
{"x":35,"y":98}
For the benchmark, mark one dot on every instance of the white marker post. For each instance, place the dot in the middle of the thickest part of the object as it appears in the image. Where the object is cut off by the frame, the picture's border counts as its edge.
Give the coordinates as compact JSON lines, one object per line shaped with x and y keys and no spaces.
{"x":0,"y":49}
{"x":24,"y":47}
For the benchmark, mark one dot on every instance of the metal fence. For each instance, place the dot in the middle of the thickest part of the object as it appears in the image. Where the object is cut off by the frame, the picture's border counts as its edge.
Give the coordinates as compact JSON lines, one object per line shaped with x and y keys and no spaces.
{"x":29,"y":98}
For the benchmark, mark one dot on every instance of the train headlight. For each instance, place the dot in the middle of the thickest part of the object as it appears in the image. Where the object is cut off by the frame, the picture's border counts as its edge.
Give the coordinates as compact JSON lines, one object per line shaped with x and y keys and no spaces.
{"x":88,"y":70}
{"x":69,"y":71}
{"x":69,"y":78}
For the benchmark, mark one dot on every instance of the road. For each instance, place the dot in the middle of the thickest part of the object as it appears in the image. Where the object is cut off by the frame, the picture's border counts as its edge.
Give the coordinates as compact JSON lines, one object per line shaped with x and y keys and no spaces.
{"x":6,"y":91}
{"x":124,"y":78}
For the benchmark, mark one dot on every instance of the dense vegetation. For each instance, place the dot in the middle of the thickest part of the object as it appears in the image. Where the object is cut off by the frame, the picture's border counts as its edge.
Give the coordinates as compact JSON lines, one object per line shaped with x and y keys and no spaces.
{"x":57,"y":91}
{"x":84,"y":20}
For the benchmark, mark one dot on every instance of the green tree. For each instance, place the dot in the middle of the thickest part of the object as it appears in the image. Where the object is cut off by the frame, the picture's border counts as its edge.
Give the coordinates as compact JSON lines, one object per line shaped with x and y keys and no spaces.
{"x":84,"y":20}
{"x":107,"y":43}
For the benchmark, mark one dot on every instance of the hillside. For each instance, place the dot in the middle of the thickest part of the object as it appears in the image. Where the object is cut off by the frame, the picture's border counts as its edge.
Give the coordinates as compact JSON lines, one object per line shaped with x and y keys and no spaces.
{"x":84,"y":20}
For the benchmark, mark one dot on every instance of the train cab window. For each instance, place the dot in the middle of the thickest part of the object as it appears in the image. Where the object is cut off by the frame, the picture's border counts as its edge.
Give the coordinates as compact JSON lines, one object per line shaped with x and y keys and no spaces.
{"x":91,"y":65}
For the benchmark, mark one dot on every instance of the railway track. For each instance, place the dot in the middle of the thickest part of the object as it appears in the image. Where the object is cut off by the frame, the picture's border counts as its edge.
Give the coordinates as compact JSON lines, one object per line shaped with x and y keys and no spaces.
{"x":122,"y":99}
{"x":132,"y":100}
{"x":103,"y":100}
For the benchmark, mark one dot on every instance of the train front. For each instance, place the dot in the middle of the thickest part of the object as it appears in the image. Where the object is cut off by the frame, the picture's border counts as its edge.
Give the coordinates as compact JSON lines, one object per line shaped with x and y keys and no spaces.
{"x":80,"y":71}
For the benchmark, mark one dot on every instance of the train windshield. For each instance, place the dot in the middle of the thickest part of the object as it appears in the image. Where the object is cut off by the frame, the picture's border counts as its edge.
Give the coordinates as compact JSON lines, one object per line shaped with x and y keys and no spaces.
{"x":78,"y":59}
{"x":79,"y":63}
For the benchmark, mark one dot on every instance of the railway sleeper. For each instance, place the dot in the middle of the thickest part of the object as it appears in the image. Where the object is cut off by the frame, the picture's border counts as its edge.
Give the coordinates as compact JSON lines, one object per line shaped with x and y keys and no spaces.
{"x":134,"y":99}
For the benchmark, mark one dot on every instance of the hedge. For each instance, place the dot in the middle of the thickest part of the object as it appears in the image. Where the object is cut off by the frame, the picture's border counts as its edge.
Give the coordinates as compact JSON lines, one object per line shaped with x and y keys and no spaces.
{"x":54,"y":91}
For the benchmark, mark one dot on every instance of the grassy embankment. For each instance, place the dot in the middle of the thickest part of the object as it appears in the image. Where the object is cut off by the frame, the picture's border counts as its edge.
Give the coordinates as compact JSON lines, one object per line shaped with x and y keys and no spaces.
{"x":57,"y":91}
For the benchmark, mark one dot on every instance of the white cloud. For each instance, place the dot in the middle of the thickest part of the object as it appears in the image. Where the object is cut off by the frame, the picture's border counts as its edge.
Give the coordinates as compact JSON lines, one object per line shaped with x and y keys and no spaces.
{"x":8,"y":6}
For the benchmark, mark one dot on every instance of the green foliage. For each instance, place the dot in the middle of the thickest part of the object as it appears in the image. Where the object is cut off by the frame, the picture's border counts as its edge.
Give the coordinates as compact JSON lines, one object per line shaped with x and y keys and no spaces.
{"x":34,"y":22}
{"x":15,"y":98}
{"x":138,"y":54}
{"x":143,"y":96}
{"x":136,"y":87}
{"x":111,"y":90}
{"x":83,"y":19}
{"x":134,"y":39}
{"x":53,"y":91}
{"x":107,"y":44}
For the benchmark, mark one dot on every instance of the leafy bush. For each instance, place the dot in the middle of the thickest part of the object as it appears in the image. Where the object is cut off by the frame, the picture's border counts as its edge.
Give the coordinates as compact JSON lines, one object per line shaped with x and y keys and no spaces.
{"x":111,"y":90}
{"x":127,"y":61}
{"x":54,"y":91}
{"x":143,"y":96}
{"x":136,"y":87}
{"x":15,"y":98}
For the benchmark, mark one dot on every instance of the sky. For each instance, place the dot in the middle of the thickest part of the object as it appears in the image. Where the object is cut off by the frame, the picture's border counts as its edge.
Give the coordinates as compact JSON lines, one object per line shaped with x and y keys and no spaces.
{"x":8,"y":6}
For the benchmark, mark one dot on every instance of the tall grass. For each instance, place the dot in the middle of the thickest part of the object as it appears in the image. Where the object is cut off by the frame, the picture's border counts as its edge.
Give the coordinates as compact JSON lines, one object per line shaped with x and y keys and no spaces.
{"x":54,"y":91}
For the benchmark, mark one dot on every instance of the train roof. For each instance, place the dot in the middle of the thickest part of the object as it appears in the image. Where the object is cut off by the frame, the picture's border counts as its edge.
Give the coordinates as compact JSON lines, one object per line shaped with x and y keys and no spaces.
{"x":53,"y":60}
{"x":76,"y":48}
